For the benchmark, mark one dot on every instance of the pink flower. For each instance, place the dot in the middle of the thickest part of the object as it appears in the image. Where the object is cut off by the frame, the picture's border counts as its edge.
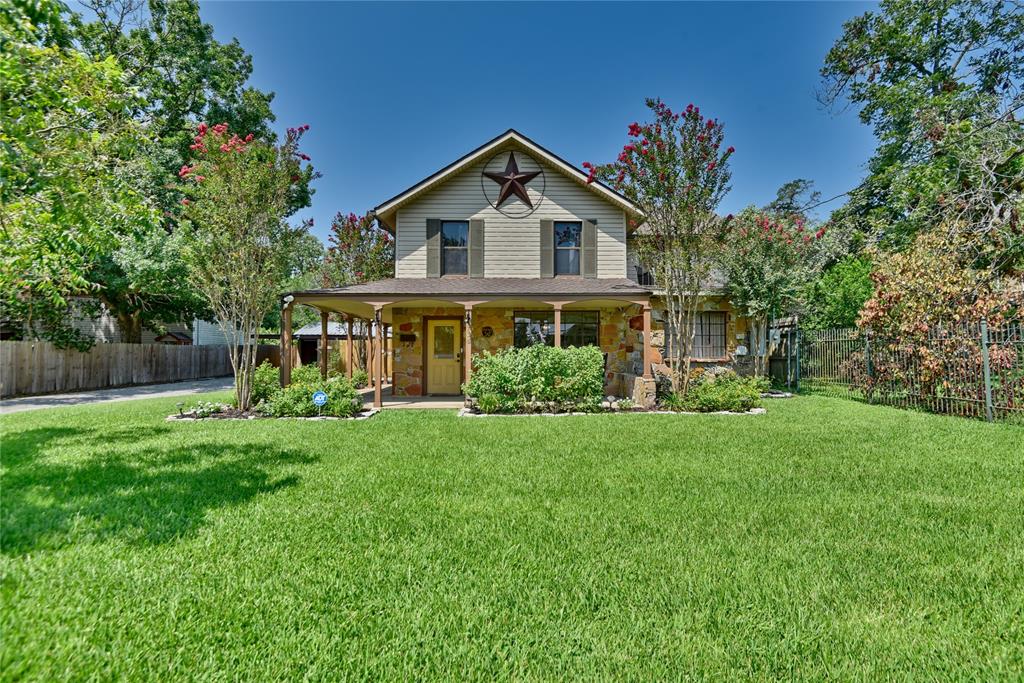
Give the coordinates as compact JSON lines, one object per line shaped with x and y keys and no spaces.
{"x":248,"y":138}
{"x":820,"y":233}
{"x":634,"y":129}
{"x":184,"y":171}
{"x":185,"y":202}
{"x":711,"y":124}
{"x":711,"y":166}
{"x":587,"y":165}
{"x":202,"y":129}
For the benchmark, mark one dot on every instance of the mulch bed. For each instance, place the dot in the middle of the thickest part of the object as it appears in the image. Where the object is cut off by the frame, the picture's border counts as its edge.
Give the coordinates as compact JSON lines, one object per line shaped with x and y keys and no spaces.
{"x":236,"y":414}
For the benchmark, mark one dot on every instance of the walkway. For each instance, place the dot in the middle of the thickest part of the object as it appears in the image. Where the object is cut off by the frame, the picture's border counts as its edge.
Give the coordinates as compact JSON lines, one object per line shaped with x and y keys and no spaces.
{"x":412,"y":402}
{"x":16,"y":405}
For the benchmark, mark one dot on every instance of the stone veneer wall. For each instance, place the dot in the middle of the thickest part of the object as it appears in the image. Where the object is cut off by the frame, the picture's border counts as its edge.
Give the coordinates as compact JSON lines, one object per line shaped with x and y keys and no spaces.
{"x":621,"y":338}
{"x":623,"y":345}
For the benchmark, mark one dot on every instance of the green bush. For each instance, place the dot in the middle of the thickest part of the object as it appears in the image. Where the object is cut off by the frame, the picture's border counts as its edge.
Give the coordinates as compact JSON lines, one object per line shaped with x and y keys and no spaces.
{"x":517,"y":380}
{"x":296,"y":400}
{"x":360,"y":379}
{"x":265,"y":381}
{"x":717,"y":391}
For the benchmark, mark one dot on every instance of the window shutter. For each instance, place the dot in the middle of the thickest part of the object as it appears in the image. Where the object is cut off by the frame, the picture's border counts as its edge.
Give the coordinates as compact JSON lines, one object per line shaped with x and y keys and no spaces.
{"x":589,"y":249}
{"x":547,"y":248}
{"x":476,"y":247}
{"x":433,"y":247}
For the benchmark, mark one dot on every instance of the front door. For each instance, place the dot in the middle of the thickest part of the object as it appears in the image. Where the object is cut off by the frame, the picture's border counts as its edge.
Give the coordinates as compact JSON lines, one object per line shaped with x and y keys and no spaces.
{"x":444,"y":356}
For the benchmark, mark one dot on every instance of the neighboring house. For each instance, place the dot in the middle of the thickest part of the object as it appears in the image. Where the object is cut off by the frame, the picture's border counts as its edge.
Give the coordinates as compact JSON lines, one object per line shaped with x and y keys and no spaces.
{"x":103,"y":328}
{"x":510,"y":246}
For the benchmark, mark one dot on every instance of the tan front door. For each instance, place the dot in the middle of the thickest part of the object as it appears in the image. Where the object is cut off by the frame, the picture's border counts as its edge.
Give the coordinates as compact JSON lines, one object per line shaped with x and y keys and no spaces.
{"x":444,"y":356}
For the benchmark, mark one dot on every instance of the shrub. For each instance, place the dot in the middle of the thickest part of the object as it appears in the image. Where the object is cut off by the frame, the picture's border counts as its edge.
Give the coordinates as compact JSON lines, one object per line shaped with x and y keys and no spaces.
{"x":296,"y":400}
{"x":516,"y":380}
{"x":265,"y":381}
{"x":718,"y":391}
{"x":360,"y":378}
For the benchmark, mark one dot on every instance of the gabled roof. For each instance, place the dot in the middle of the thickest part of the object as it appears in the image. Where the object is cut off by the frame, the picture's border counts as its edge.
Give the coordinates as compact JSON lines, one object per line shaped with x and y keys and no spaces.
{"x":509,"y":139}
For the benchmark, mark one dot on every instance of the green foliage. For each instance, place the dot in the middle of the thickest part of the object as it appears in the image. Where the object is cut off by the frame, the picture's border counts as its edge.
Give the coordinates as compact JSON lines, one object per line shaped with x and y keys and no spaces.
{"x":928,"y":77}
{"x":835,"y":298}
{"x":515,"y":380}
{"x":676,"y":168}
{"x":239,"y":245}
{"x":296,"y":400}
{"x":204,"y":409}
{"x":360,"y":251}
{"x":716,"y":392}
{"x":266,"y":379}
{"x":360,"y":378}
{"x":68,"y":141}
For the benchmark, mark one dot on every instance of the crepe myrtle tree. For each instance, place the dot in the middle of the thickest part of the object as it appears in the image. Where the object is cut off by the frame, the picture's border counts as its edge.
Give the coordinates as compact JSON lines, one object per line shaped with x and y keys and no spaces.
{"x":237,"y":193}
{"x":768,"y":261}
{"x":360,"y":251}
{"x":675,"y":168}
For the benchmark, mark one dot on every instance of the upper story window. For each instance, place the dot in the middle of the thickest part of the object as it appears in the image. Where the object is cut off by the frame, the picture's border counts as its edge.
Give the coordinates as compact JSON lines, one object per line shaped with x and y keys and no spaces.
{"x":568,"y":237}
{"x":454,"y":247}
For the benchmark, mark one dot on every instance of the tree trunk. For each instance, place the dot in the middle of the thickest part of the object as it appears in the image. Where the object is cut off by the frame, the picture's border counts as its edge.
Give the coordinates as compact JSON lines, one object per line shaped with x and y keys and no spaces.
{"x":130,"y":326}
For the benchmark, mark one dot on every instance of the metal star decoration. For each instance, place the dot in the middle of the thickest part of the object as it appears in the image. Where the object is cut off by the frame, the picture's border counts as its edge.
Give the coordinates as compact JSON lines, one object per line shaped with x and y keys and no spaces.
{"x":512,"y":182}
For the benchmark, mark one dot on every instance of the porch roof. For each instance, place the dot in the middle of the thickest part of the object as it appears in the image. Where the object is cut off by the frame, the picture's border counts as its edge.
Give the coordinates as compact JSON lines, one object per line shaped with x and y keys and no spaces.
{"x":487,"y":287}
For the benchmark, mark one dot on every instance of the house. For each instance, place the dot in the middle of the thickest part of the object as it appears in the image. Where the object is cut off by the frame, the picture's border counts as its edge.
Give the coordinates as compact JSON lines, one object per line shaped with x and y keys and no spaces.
{"x":510,"y":245}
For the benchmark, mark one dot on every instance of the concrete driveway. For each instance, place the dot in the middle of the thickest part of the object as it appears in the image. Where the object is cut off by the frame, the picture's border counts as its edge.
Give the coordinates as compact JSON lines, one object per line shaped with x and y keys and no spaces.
{"x":16,"y":405}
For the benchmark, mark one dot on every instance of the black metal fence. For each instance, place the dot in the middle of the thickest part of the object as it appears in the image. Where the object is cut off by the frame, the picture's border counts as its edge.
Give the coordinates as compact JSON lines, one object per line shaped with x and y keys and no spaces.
{"x":971,"y":369}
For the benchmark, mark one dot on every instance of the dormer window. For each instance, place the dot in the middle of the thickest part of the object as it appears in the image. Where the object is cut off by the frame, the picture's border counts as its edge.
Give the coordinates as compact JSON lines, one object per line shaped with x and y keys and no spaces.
{"x":454,"y":247}
{"x":568,"y":237}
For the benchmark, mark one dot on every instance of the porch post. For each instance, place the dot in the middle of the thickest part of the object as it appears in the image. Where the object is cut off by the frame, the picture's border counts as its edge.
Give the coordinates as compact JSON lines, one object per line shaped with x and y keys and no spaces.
{"x":286,"y":344}
{"x":467,"y":342}
{"x":378,"y":349}
{"x":648,"y":356}
{"x":387,"y":375}
{"x":323,"y":344}
{"x":367,"y":350}
{"x":558,"y":325}
{"x":348,"y":366}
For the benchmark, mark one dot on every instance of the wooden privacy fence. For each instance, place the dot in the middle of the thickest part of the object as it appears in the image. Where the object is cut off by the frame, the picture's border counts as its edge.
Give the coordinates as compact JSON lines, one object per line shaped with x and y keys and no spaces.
{"x":972,"y":369}
{"x":40,"y":368}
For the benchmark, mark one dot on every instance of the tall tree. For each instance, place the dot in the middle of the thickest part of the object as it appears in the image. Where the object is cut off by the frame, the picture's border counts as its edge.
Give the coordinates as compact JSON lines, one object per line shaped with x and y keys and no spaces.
{"x":68,"y":142}
{"x":184,"y":76}
{"x":674,"y":169}
{"x":240,"y":243}
{"x":925,"y":75}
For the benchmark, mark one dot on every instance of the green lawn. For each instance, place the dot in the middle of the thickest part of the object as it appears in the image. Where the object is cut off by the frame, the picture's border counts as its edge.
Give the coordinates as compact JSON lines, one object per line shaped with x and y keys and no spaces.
{"x":826,"y":539}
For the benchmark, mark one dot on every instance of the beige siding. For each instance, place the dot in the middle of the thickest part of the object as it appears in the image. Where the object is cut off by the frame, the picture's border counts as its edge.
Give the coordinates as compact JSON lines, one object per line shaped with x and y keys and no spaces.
{"x":511,"y":245}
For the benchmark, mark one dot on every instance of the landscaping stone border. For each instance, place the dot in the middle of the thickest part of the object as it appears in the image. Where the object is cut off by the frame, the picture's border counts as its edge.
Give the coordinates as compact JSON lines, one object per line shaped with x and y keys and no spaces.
{"x":466,"y":412}
{"x":363,"y":415}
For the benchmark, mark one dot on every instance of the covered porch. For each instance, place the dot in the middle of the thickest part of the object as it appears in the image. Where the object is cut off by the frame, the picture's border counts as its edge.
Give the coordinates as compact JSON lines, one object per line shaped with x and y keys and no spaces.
{"x":438,"y":325}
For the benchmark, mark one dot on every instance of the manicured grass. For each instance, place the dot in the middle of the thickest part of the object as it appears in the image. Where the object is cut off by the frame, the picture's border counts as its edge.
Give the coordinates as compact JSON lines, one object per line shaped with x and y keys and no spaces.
{"x":826,"y":539}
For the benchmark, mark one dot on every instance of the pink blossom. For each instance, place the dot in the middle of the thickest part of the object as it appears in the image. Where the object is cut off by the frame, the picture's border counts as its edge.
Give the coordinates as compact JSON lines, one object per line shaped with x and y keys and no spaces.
{"x":730,"y":150}
{"x":634,"y":129}
{"x":202,"y":129}
{"x":711,"y":166}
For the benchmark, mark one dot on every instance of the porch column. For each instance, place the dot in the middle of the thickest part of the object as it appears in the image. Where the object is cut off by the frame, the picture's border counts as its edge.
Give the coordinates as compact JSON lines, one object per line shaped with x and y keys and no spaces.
{"x":323,"y":344}
{"x":348,"y":366}
{"x":558,"y":326}
{"x":378,"y":349}
{"x":286,"y":344}
{"x":368,"y":349}
{"x":648,"y":355}
{"x":387,"y":375}
{"x":467,"y":342}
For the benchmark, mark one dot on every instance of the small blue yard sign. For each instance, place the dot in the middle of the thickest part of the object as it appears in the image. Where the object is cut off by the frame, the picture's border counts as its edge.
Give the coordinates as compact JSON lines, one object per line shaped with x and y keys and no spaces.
{"x":319,"y":398}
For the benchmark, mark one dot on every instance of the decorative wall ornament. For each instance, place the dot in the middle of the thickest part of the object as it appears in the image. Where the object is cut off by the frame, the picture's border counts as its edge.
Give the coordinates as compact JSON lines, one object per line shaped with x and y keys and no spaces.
{"x":506,"y":189}
{"x":487,"y":331}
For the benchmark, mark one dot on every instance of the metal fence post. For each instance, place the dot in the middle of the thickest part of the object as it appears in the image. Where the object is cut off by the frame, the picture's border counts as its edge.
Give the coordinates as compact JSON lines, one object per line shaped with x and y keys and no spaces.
{"x":867,"y":361}
{"x":985,"y":370}
{"x":796,"y":384}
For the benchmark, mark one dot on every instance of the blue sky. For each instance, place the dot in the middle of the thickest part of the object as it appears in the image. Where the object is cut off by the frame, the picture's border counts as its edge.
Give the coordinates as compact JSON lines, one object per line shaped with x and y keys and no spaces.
{"x":393,"y":92}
